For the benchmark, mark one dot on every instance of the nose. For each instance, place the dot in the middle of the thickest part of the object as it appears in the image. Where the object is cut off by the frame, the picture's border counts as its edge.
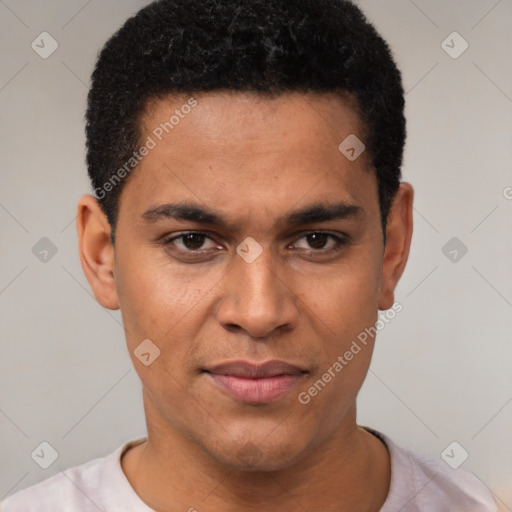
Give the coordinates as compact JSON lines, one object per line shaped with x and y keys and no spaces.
{"x":256,"y":298}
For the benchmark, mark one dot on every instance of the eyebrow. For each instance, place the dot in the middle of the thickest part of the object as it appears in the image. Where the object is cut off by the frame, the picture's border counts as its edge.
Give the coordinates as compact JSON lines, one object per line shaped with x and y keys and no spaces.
{"x":192,"y":212}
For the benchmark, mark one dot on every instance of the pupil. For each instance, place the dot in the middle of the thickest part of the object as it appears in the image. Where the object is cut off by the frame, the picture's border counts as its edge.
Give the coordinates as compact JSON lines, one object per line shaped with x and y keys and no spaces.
{"x":317,"y":240}
{"x":193,"y":240}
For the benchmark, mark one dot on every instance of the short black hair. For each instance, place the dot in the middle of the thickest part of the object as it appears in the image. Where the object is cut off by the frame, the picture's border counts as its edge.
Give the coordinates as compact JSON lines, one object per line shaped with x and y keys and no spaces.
{"x":263,"y":46}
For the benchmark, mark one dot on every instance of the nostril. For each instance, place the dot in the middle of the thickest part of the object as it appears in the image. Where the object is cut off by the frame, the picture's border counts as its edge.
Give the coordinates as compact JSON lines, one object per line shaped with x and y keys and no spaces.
{"x":232,"y":327}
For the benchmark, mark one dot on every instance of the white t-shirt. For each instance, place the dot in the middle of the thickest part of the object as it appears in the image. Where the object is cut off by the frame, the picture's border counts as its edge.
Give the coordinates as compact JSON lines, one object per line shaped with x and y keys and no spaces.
{"x":418,"y":484}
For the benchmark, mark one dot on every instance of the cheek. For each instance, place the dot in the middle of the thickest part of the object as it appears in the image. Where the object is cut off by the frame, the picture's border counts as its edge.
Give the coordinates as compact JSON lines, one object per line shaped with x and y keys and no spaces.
{"x":151,"y":294}
{"x":344,"y":313}
{"x":343,"y":310}
{"x":345,"y":302}
{"x":158,"y":306}
{"x":165,"y":303}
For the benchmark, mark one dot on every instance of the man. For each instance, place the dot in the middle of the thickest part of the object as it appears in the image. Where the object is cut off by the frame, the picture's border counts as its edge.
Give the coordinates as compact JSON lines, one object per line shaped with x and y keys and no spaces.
{"x":249,"y":221}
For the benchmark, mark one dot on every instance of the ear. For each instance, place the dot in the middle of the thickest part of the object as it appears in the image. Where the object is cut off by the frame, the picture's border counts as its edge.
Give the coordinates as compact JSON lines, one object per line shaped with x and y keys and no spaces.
{"x":96,"y":251}
{"x":398,"y":243}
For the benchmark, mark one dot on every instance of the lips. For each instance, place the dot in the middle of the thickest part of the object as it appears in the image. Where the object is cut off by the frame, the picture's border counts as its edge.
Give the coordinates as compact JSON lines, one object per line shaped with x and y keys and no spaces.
{"x":255,"y":383}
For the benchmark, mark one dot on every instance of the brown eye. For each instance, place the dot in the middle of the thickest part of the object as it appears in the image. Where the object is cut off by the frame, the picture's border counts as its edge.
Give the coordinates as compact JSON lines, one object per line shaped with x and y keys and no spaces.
{"x":320,"y":241}
{"x":192,"y":241}
{"x":317,"y":240}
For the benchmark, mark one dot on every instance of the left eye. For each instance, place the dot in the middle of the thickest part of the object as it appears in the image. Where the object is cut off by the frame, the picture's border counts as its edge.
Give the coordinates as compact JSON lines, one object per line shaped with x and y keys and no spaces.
{"x":320,"y":241}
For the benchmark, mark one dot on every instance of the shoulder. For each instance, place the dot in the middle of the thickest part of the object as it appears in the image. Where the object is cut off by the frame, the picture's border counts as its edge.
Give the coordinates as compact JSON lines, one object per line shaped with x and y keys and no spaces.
{"x":422,"y":484}
{"x":78,"y":488}
{"x":73,"y":489}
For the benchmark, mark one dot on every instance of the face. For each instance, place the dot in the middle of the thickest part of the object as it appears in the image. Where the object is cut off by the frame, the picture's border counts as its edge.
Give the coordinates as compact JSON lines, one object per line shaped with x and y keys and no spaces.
{"x":249,"y":251}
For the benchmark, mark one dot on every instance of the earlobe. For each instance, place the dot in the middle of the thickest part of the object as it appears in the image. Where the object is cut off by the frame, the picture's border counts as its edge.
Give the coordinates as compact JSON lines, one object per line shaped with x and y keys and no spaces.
{"x":399,"y":234}
{"x":96,"y":251}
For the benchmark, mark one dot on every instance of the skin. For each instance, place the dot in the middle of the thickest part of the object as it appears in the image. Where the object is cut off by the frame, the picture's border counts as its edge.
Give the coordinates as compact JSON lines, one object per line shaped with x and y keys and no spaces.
{"x":252,"y":159}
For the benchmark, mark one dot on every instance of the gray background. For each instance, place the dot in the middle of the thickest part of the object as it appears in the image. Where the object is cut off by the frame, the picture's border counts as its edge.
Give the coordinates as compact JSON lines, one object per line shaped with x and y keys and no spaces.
{"x":441,"y":370}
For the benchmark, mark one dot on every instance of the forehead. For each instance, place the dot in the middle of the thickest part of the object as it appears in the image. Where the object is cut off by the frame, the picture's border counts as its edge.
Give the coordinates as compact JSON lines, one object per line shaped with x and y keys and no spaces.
{"x":236,"y":119}
{"x":266,"y":152}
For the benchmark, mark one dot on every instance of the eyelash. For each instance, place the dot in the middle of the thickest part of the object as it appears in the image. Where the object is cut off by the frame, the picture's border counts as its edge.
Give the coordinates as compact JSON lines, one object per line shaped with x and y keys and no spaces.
{"x":341,"y":241}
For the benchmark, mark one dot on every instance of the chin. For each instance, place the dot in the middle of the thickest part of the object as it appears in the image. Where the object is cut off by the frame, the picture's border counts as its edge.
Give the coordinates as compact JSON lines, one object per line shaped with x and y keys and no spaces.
{"x":258,"y":453}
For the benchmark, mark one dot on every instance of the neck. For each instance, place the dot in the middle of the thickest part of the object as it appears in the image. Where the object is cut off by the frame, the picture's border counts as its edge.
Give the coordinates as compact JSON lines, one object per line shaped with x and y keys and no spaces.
{"x":349,"y":471}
